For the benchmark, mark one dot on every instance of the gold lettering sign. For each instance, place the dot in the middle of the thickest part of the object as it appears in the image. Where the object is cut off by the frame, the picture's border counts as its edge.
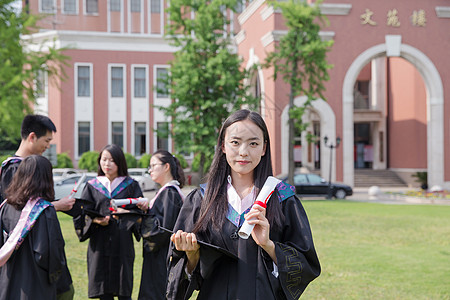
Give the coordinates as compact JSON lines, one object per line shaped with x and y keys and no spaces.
{"x":418,"y":18}
{"x":367,"y":18}
{"x":392,"y":18}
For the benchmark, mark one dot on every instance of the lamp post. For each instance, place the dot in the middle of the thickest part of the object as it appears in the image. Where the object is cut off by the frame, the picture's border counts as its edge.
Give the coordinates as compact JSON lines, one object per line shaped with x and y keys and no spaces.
{"x":331,"y":146}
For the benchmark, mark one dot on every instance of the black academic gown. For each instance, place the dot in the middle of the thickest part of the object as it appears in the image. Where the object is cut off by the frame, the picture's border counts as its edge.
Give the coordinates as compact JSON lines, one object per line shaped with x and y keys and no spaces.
{"x":8,"y":170}
{"x":164,"y":212}
{"x":33,"y":270}
{"x":250,"y":277}
{"x":110,"y":255}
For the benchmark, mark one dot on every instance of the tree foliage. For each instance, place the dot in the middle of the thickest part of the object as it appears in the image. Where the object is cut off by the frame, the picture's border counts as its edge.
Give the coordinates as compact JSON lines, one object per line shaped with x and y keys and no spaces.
{"x":205,"y":78}
{"x":19,"y":67}
{"x":300,"y":58}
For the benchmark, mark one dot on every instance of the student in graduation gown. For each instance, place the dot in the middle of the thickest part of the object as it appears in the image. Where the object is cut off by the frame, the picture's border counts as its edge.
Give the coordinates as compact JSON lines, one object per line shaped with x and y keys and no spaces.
{"x":278,"y":261}
{"x":32,"y":247}
{"x":163,"y":209}
{"x":110,"y":256}
{"x":36,"y":134}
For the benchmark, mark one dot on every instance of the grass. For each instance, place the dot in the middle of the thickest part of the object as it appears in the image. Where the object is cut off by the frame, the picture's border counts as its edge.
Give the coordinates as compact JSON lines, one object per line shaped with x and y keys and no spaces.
{"x":367,"y":251}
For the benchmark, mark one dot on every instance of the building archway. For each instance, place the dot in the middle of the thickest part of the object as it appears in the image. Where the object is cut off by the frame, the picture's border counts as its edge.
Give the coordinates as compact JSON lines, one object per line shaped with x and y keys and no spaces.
{"x":435,"y":105}
{"x":327,"y":128}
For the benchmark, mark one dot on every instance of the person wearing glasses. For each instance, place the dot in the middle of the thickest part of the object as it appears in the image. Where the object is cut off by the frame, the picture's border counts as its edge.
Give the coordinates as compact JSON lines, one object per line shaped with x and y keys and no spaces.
{"x":162,"y":210}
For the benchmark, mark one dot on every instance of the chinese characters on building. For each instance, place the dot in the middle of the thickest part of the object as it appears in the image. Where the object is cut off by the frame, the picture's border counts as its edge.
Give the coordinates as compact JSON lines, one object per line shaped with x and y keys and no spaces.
{"x":417,"y":18}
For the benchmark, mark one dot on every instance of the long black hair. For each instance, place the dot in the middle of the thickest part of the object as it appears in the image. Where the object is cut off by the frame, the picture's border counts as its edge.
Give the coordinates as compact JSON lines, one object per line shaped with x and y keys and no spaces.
{"x":118,"y":157}
{"x":214,"y":206}
{"x":32,"y":179}
{"x":175,"y":167}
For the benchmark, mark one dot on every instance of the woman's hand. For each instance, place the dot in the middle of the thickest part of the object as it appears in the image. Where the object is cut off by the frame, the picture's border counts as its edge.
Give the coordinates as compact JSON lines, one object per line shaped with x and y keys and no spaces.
{"x":143,"y":205}
{"x":101,"y":221}
{"x":261,"y":232}
{"x":187,"y":242}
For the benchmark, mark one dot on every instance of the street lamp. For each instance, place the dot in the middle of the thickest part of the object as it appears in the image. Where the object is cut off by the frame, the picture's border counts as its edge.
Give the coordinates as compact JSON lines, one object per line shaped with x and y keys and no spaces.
{"x":331,"y":146}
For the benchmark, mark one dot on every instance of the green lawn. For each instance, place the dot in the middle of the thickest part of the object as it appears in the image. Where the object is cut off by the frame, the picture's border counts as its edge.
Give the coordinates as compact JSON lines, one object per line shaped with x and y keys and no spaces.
{"x":367,"y":251}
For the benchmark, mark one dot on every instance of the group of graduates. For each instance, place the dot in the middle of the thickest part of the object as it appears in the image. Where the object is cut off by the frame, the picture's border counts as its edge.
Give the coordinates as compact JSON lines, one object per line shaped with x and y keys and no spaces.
{"x":189,"y":243}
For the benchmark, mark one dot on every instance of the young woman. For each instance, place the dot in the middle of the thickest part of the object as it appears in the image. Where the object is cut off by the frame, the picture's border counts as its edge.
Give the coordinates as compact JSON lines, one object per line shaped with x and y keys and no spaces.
{"x":32,"y":247}
{"x":163,"y":209}
{"x":111,"y":249}
{"x":277,"y":262}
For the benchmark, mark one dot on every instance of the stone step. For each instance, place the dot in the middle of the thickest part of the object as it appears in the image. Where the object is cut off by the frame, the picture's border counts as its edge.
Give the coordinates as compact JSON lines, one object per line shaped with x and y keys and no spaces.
{"x":381,"y":178}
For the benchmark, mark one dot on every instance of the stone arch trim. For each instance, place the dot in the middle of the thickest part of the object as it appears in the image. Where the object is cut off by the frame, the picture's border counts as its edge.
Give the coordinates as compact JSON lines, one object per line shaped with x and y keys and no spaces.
{"x":435,"y":109}
{"x":254,"y":60}
{"x":327,"y":127}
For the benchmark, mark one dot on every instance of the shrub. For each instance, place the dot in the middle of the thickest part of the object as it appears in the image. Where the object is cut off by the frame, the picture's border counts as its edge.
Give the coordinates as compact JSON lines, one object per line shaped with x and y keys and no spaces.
{"x":131,"y":160}
{"x":63,"y":160}
{"x":196,"y":164}
{"x":88,"y":161}
{"x":144,"y":161}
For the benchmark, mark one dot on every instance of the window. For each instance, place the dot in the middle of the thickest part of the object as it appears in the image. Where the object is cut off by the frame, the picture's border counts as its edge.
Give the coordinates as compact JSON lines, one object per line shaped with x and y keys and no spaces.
{"x":114,"y":5}
{"x":162,"y":139}
{"x":135,"y":5}
{"x":139,"y":83}
{"x":117,"y":133}
{"x":161,"y":86}
{"x":70,"y":7}
{"x":139,"y":138}
{"x":91,"y":6}
{"x":84,"y":81}
{"x":361,"y":93}
{"x":155,"y":6}
{"x":41,"y":84}
{"x":47,"y":6}
{"x":84,"y":137}
{"x":117,"y":82}
{"x":314,"y":179}
{"x":299,"y":179}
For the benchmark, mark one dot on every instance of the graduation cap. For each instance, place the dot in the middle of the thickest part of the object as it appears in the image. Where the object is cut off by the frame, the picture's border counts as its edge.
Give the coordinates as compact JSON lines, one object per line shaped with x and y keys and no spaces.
{"x":211,"y":246}
{"x":122,"y":211}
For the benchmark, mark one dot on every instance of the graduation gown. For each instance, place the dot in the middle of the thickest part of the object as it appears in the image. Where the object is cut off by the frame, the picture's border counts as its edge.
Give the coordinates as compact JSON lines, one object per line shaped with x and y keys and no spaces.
{"x":219,"y":276}
{"x":8,"y":169}
{"x":164,"y":212}
{"x":110,"y":255}
{"x":33,"y":270}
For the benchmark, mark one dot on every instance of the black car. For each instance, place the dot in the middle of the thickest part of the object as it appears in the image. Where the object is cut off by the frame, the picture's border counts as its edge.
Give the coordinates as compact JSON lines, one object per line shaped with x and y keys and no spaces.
{"x":312,"y":185}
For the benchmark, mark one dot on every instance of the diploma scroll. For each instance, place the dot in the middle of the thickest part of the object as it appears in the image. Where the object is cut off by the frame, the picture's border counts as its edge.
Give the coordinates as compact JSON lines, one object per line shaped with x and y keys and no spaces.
{"x":264,"y":195}
{"x":119,"y":202}
{"x":77,"y":186}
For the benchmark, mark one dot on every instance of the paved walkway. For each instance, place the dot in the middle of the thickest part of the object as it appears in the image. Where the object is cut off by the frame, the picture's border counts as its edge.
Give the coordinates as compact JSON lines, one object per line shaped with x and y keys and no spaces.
{"x":385,"y":196}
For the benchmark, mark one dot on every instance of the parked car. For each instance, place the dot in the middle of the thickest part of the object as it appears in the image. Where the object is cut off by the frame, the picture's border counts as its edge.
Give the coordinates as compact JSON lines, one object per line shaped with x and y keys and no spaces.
{"x":63,"y":187}
{"x":142,"y":176}
{"x":60,"y":173}
{"x":312,"y":185}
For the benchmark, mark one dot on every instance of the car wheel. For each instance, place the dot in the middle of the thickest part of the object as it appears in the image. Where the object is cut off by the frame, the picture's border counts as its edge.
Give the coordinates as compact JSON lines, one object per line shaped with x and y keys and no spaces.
{"x":340,"y":194}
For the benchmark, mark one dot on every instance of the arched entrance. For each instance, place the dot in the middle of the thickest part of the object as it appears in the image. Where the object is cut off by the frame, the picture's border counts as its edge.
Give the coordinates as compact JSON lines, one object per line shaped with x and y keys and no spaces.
{"x":327,"y":128}
{"x":393,"y":47}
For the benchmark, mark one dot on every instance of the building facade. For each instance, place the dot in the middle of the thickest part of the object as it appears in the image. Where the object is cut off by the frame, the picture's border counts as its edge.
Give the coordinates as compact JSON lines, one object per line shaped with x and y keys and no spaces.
{"x":387,"y":97}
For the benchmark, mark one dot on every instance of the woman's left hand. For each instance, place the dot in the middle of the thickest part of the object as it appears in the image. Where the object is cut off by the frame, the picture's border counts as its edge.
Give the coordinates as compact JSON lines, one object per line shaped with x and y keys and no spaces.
{"x":261,"y":232}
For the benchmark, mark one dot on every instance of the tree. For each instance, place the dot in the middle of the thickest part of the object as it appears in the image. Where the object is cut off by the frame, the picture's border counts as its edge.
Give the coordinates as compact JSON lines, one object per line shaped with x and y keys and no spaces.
{"x":300,"y":58}
{"x":205,"y":78}
{"x":19,"y":68}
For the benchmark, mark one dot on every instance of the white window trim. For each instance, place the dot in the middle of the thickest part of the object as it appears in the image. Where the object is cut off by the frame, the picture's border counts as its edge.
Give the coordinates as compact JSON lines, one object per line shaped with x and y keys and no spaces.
{"x":85,"y":8}
{"x":111,"y":117}
{"x":134,"y":66}
{"x":90,"y":98}
{"x":71,"y":14}
{"x":155,"y":81}
{"x":46,"y":12}
{"x":163,"y":15}
{"x":146,"y":99}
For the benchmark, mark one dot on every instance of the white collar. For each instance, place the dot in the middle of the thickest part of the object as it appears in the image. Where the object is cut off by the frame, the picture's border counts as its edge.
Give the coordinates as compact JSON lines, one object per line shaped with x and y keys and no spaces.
{"x":110,"y":186}
{"x":239,"y":205}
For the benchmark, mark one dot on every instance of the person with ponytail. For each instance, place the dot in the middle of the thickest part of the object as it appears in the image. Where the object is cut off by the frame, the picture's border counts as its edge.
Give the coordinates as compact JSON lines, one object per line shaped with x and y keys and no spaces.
{"x":162,"y":210}
{"x":32,"y":257}
{"x":277,"y":261}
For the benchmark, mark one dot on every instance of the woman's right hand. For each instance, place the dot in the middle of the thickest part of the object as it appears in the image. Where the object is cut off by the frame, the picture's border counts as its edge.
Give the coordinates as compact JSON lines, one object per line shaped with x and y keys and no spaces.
{"x":187,"y":242}
{"x":101,"y":221}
